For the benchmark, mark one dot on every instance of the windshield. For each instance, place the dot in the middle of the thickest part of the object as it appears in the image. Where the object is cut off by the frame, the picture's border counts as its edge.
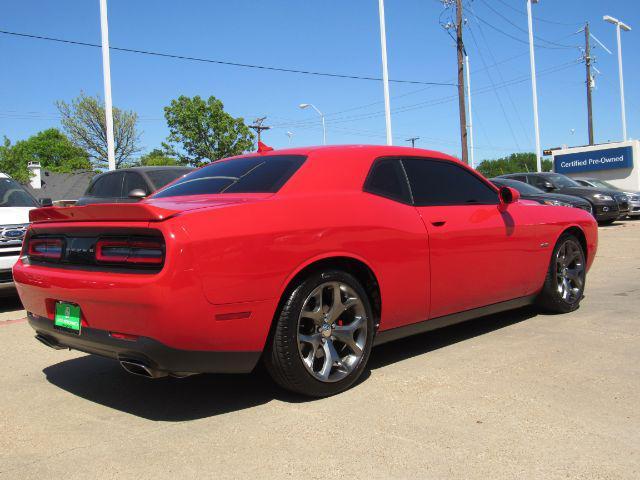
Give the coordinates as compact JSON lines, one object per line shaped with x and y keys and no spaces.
{"x":160,"y":178}
{"x":243,"y":175}
{"x":603,"y":184}
{"x":523,"y":188}
{"x":12,"y":194}
{"x":562,"y":181}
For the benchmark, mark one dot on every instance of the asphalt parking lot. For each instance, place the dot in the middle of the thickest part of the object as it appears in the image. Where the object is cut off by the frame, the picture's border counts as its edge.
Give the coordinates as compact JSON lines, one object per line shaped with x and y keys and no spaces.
{"x":515,"y":395}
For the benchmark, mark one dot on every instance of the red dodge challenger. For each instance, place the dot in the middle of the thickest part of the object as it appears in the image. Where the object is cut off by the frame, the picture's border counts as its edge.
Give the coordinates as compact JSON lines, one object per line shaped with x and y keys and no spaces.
{"x":302,"y":258}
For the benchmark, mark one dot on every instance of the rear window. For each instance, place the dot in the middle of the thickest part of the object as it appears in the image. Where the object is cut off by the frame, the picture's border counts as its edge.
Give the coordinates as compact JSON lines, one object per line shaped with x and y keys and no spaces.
{"x":242,"y":175}
{"x":160,"y":178}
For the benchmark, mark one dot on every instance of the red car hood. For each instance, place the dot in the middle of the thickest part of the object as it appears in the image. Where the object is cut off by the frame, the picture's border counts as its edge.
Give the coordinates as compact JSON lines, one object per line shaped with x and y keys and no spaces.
{"x":151,"y":210}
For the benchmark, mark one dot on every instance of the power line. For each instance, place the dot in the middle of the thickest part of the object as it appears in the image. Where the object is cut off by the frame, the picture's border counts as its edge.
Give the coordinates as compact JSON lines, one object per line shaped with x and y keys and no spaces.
{"x":222,"y":62}
{"x":499,"y":71}
{"x":518,"y":27}
{"x":538,"y":19}
{"x":436,"y":101}
{"x":504,"y":112}
{"x":513,"y":37}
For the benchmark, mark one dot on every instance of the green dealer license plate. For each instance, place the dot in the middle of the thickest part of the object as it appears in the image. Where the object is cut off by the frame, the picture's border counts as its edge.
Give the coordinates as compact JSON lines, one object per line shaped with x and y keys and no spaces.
{"x":67,"y":317}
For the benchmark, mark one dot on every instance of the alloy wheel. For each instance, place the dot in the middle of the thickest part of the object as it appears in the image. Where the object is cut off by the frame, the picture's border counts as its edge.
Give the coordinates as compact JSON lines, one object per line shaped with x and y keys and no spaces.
{"x":570,"y":271}
{"x":332,"y":331}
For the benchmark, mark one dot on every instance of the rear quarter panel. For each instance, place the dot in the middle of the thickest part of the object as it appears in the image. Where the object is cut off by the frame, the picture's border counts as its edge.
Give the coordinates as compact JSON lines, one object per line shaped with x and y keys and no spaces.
{"x":250,"y":252}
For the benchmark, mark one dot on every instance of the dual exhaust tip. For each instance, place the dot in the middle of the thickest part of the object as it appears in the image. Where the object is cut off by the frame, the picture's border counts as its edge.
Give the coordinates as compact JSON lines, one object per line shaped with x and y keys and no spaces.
{"x":136,"y":367}
{"x":131,"y":365}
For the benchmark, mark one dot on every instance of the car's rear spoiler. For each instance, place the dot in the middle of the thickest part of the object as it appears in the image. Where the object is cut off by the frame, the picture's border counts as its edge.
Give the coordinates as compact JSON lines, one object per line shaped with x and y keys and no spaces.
{"x":106,"y":212}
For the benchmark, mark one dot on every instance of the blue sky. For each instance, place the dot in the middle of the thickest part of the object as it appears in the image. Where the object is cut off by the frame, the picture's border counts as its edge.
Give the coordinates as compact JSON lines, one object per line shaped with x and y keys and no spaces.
{"x":339,"y":36}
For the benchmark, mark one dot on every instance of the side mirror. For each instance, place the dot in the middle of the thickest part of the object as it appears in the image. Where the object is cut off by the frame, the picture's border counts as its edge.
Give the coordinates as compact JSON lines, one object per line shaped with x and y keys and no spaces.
{"x":45,"y":202}
{"x":137,"y":193}
{"x":548,"y":186}
{"x":508,"y":195}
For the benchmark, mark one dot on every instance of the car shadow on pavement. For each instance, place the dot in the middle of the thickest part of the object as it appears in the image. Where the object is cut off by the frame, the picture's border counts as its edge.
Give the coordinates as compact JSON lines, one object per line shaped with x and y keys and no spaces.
{"x":104,"y":382}
{"x":409,"y":347}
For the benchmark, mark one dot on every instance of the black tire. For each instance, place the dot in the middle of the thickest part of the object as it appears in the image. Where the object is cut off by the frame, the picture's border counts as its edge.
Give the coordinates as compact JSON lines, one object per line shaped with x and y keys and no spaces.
{"x":607,"y":222}
{"x":556,"y":295}
{"x":283,"y":356}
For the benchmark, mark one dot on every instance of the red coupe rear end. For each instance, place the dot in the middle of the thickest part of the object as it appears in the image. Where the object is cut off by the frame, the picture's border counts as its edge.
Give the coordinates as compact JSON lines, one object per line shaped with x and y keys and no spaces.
{"x":302,"y":258}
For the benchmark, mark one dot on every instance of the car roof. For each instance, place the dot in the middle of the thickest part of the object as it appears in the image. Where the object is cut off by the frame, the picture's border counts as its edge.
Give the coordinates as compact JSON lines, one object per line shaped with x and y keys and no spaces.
{"x":344,"y":167}
{"x":143,"y":170}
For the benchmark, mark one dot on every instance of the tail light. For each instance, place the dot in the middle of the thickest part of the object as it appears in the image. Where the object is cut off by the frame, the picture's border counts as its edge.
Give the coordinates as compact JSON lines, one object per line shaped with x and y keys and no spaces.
{"x":45,"y":248}
{"x":137,"y":252}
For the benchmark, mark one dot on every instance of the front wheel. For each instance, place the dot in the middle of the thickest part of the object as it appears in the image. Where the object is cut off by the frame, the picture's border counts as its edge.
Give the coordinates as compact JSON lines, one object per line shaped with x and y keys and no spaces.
{"x":564,"y":284}
{"x":322,"y":336}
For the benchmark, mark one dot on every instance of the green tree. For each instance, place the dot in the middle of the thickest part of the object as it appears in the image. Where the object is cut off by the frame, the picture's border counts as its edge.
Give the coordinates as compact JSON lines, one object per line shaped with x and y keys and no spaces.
{"x":51,"y":148}
{"x":202,"y":131}
{"x":514,"y":163}
{"x":157,"y":157}
{"x":10,"y":164}
{"x":84,"y":121}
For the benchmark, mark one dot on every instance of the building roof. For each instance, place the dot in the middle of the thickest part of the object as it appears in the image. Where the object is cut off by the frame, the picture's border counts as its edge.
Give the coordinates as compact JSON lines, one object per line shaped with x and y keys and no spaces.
{"x":62,"y":186}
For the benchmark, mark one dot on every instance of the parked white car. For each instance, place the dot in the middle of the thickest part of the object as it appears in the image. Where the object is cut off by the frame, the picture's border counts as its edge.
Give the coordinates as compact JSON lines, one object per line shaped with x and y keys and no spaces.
{"x":15,"y":203}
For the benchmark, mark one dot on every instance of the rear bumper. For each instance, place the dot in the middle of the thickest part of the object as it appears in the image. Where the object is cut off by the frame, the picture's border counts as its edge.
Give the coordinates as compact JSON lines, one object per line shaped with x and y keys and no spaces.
{"x":634,"y":209}
{"x":7,"y":287}
{"x":146,"y":350}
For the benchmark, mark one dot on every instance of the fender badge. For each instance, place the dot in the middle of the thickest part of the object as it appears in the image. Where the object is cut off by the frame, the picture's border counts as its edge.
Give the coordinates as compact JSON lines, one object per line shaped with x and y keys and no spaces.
{"x":544,"y":244}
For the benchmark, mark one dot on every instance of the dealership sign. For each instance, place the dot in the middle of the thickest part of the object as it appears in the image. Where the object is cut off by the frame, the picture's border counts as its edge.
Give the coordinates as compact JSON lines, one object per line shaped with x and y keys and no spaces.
{"x":606,"y":159}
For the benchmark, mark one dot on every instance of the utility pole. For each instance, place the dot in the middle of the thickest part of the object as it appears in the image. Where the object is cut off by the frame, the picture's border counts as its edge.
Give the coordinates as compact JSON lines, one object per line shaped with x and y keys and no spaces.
{"x":587,"y":61}
{"x":259,"y":127}
{"x":106,"y":73}
{"x":534,"y":88}
{"x":461,"y":102}
{"x":413,"y":141}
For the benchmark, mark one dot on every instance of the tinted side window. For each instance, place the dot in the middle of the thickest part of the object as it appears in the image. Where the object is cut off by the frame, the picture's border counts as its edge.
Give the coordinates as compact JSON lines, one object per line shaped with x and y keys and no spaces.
{"x":387,"y":179}
{"x":242,"y":175}
{"x":132,"y":181}
{"x":436,"y":182}
{"x":108,"y":186}
{"x":520,"y":178}
{"x":537,"y":181}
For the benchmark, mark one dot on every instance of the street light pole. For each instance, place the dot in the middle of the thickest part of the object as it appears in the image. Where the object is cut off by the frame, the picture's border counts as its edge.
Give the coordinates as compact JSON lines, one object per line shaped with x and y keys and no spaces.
{"x":106,"y":72}
{"x":466,"y":59}
{"x":620,"y":25}
{"x":533,"y":86}
{"x":385,"y":74}
{"x":324,"y":128}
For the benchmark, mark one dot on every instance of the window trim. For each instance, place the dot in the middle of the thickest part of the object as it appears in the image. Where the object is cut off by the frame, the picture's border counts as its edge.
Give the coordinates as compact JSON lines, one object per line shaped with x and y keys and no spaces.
{"x":409,"y":200}
{"x":456,"y":165}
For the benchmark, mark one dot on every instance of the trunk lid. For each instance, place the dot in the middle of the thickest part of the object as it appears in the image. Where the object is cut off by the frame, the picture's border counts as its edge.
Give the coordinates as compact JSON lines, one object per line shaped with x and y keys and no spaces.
{"x":151,"y":210}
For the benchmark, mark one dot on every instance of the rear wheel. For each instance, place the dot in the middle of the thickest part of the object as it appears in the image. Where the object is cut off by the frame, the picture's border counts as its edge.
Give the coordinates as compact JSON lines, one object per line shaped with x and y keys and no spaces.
{"x":564,"y":284}
{"x":323,"y":335}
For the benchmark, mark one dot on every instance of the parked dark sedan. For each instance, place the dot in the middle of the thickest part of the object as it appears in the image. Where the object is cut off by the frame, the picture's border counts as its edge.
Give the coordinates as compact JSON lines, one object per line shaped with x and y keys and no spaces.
{"x":529,"y":192}
{"x":633,"y":196}
{"x":607,"y":205}
{"x":128,"y":185}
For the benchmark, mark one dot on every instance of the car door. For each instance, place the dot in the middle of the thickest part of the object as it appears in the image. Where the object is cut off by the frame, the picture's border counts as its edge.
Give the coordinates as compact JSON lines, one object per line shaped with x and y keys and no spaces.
{"x":404,"y":273}
{"x":480,"y":252}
